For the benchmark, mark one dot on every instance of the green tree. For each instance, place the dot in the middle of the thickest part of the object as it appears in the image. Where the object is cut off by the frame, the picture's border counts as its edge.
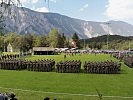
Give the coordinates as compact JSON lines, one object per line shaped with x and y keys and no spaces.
{"x":12,"y":38}
{"x":76,"y":39}
{"x":26,"y":42}
{"x":67,"y":43}
{"x":30,"y":40}
{"x":41,"y":41}
{"x":63,"y":39}
{"x":54,"y":38}
{"x":1,"y":43}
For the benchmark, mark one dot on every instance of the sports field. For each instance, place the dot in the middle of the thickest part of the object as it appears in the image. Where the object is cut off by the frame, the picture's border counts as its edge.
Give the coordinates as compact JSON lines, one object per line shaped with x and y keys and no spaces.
{"x":69,"y":86}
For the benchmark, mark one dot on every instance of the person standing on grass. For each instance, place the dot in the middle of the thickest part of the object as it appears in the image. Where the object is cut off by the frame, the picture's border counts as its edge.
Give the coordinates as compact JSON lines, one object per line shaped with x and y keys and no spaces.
{"x":64,"y":56}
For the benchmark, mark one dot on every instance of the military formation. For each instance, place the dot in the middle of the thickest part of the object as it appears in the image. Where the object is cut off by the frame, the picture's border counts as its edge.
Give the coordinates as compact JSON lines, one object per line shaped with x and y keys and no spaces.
{"x":40,"y":65}
{"x":7,"y":57}
{"x":127,"y":58}
{"x":106,"y":67}
{"x":119,"y":56}
{"x":12,"y":62}
{"x":73,"y":66}
{"x":129,"y":61}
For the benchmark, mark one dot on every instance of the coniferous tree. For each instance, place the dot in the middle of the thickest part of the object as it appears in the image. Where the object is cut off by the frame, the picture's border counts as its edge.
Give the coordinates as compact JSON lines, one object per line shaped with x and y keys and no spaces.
{"x":63,"y":39}
{"x":76,"y":39}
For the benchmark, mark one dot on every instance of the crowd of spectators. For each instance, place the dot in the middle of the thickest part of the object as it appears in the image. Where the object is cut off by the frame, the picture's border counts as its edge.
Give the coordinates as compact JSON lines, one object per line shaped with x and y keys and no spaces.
{"x":7,"y":96}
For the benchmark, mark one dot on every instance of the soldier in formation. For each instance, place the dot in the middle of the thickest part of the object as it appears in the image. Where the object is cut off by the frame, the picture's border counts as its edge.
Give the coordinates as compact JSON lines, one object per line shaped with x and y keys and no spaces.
{"x":119,"y":55}
{"x":7,"y":57}
{"x":12,"y":64}
{"x":106,"y":67}
{"x":38,"y":65}
{"x":129,"y":61}
{"x":73,"y":66}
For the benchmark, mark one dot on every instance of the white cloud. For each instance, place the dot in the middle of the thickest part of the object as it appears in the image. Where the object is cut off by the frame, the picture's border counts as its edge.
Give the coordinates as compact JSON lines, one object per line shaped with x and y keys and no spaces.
{"x":42,"y":9}
{"x":84,"y":7}
{"x":120,"y":9}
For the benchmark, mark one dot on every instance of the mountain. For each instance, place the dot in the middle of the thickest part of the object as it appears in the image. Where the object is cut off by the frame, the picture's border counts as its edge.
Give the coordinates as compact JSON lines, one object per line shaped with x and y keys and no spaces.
{"x":111,"y":38}
{"x":28,"y":21}
{"x":114,"y":42}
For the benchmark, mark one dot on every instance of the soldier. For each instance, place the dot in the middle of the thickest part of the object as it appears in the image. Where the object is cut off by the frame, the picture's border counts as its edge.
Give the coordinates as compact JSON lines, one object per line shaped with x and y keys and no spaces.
{"x":64,"y":56}
{"x":129,"y":61}
{"x":46,"y":98}
{"x":102,"y":67}
{"x":12,"y":96}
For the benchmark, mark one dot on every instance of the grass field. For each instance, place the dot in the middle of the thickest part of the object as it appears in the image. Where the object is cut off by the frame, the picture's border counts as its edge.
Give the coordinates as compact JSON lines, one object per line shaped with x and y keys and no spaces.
{"x":68,"y":86}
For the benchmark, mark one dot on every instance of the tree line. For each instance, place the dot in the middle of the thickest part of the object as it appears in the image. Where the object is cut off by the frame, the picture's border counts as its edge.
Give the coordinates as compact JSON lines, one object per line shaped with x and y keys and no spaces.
{"x":115,"y":42}
{"x":25,"y":42}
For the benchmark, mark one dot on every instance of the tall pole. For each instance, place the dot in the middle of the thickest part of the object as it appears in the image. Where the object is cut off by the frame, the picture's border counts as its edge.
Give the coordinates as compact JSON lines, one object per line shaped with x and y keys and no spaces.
{"x":108,"y":35}
{"x":129,"y":45}
{"x":84,"y":43}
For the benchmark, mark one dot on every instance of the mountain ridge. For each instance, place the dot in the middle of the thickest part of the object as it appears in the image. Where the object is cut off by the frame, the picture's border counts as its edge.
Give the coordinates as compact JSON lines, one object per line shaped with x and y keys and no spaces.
{"x":29,"y":21}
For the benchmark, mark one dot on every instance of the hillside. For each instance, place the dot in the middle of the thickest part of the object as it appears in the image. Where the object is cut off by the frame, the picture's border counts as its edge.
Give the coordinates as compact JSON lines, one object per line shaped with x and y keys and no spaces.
{"x":114,"y":41}
{"x":28,"y":21}
{"x":111,"y":38}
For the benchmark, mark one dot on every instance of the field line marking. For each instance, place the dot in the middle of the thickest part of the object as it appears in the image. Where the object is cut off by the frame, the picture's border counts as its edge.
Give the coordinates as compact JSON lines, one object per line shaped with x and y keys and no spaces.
{"x":73,"y":94}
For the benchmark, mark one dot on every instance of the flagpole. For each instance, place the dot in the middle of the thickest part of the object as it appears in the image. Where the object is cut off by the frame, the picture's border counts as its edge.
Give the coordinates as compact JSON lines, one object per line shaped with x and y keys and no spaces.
{"x":108,"y":35}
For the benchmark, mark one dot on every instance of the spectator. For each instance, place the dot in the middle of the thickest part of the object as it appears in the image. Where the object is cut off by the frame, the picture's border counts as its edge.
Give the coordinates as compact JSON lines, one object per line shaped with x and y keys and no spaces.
{"x":1,"y":96}
{"x":46,"y":98}
{"x":12,"y":95}
{"x":5,"y":96}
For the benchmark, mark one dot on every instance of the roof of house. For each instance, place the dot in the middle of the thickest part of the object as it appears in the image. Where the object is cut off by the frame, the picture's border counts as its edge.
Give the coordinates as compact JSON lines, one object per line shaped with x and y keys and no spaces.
{"x":43,"y":49}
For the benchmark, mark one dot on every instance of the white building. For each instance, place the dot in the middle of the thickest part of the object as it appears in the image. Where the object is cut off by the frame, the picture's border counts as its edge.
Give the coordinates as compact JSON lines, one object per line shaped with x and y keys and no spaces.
{"x":9,"y":48}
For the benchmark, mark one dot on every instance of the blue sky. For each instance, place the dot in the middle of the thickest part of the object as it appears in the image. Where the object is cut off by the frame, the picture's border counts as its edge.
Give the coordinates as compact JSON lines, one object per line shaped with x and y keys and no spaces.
{"x":89,"y":10}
